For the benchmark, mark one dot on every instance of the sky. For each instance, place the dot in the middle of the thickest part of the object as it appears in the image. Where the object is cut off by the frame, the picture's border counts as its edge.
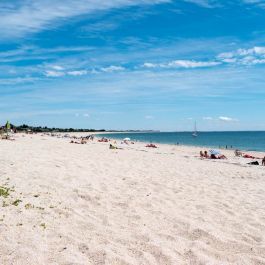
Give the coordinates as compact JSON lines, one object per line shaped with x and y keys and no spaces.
{"x":133,"y":64}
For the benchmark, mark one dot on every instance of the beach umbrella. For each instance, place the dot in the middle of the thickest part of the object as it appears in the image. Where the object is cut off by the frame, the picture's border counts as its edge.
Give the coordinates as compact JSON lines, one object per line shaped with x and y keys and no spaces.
{"x":215,"y":152}
{"x":126,"y":139}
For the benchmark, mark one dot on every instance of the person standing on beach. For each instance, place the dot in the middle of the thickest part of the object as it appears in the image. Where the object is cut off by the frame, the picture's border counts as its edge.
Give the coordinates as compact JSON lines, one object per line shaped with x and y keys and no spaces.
{"x":263,"y":161}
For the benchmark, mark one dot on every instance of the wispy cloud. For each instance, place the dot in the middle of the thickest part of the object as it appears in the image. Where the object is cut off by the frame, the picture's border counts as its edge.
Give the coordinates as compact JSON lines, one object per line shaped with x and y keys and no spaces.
{"x":205,"y":3}
{"x":182,"y":64}
{"x":251,"y":56}
{"x":21,"y":17}
{"x":227,"y":119}
{"x":60,"y":71}
{"x":57,"y":67}
{"x":221,"y":118}
{"x":77,"y":72}
{"x":50,"y":73}
{"x":112,"y":68}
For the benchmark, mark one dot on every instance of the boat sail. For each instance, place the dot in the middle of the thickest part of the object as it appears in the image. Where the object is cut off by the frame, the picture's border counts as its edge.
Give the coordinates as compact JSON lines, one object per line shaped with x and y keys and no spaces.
{"x":195,"y":133}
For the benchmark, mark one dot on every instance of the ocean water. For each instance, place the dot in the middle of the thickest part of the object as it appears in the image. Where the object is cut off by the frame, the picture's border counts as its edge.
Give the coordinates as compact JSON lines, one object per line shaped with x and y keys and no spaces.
{"x":249,"y":141}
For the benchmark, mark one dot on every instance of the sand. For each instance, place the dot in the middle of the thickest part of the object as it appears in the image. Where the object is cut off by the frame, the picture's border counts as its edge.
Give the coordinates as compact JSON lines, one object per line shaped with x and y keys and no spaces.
{"x":86,"y":204}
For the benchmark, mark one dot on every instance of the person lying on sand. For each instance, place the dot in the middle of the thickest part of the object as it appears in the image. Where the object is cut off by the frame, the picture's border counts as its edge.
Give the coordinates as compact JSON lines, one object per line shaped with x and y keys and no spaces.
{"x":238,"y":153}
{"x":248,"y":156}
{"x":111,"y":146}
{"x":151,"y":145}
{"x":73,"y":142}
{"x":214,"y":156}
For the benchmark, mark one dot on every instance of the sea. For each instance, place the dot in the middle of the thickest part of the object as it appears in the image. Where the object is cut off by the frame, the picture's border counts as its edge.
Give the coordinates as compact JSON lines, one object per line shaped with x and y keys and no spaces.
{"x":247,"y":141}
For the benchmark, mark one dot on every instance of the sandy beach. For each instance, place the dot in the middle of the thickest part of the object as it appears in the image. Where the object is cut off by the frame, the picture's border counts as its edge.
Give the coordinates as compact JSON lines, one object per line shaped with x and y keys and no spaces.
{"x":86,"y":204}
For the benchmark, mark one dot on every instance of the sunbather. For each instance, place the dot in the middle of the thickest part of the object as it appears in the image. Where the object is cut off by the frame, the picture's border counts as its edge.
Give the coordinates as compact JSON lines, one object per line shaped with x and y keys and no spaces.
{"x":213,"y":156}
{"x":151,"y":145}
{"x":248,"y":156}
{"x":111,"y":146}
{"x":238,"y":153}
{"x":222,"y":157}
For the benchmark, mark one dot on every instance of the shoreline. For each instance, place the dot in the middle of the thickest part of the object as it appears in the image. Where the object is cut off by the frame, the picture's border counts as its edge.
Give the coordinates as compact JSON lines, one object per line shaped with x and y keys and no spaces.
{"x":199,"y":148}
{"x":185,"y":145}
{"x":188,"y":148}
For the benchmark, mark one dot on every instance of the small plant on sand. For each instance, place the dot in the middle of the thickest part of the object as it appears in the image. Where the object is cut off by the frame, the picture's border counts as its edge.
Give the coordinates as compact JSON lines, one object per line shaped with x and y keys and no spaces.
{"x":4,"y":192}
{"x":43,"y":225}
{"x":29,"y":206}
{"x":4,"y":204}
{"x":16,"y":202}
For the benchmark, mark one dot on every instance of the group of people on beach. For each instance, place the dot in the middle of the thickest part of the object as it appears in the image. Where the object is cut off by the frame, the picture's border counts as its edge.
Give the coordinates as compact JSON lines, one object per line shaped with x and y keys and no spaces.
{"x":238,"y":153}
{"x":211,"y":156}
{"x":217,"y":155}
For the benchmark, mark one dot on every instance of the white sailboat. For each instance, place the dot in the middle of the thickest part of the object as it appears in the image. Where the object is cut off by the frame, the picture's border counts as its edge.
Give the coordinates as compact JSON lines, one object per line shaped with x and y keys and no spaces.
{"x":195,"y":133}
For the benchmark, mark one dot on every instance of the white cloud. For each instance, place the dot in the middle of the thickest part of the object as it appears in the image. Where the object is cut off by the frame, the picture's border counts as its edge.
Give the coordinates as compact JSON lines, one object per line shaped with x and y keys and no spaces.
{"x":112,"y":68}
{"x":50,"y":73}
{"x":189,"y":64}
{"x":182,"y":64}
{"x":21,"y":17}
{"x":226,"y":119}
{"x":77,"y":73}
{"x":57,"y":67}
{"x":252,"y":56}
{"x":150,"y":65}
{"x":59,"y":71}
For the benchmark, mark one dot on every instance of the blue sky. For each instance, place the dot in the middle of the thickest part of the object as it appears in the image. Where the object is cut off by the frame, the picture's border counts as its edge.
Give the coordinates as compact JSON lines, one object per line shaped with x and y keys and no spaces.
{"x":133,"y":64}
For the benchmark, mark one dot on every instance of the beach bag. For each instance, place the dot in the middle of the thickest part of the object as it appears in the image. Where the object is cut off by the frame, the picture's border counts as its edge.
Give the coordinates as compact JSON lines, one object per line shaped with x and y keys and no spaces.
{"x":254,"y":163}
